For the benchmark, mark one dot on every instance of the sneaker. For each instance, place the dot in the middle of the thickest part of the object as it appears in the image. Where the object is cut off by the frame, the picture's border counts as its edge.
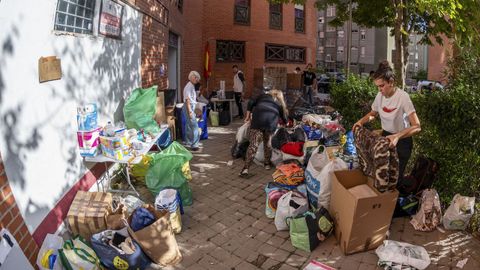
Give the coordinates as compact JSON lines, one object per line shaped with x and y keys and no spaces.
{"x":194,"y":149}
{"x":243,"y":173}
{"x":267,"y":166}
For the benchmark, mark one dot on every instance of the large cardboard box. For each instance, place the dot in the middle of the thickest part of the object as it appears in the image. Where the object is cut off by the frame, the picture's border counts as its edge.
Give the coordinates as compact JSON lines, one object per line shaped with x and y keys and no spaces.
{"x":360,"y":224}
{"x":88,"y":213}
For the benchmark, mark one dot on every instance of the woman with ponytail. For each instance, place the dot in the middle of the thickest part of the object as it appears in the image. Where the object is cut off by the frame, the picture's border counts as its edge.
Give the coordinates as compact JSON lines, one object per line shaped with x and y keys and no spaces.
{"x":397,"y":114}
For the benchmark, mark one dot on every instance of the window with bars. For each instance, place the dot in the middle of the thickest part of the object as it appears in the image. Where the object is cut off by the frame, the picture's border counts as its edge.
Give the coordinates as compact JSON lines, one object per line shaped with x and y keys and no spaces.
{"x":341,"y":34}
{"x":75,"y":16}
{"x":363,"y":34}
{"x":331,"y":28}
{"x":230,"y":51}
{"x":330,"y":11}
{"x":241,"y":13}
{"x":299,"y":18}
{"x":276,"y":16}
{"x":284,"y":53}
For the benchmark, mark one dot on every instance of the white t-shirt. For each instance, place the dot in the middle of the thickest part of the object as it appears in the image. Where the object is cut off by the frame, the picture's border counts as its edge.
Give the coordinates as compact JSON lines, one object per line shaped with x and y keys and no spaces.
{"x":394,"y":111}
{"x":237,"y":83}
{"x":189,"y":93}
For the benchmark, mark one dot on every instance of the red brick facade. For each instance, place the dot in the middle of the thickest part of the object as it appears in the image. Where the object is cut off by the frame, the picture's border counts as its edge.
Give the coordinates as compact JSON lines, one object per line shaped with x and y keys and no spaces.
{"x":438,"y":56}
{"x":11,"y":219}
{"x":219,"y":25}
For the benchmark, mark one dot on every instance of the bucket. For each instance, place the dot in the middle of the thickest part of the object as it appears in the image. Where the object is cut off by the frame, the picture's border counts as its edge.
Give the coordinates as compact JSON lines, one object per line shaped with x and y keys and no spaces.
{"x":214,"y":119}
{"x":168,"y":200}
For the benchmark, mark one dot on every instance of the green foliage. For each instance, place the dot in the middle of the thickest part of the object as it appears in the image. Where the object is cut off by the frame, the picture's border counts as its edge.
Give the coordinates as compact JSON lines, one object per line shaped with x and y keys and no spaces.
{"x":353,"y":98}
{"x":421,"y":75}
{"x":450,"y":130}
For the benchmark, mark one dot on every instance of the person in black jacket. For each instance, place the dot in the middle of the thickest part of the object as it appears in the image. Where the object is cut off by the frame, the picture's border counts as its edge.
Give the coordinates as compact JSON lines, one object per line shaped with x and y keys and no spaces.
{"x":263,"y":113}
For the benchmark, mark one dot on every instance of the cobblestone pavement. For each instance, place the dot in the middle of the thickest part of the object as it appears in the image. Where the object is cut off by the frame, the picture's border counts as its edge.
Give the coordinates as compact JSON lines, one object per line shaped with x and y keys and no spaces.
{"x":226,"y":227}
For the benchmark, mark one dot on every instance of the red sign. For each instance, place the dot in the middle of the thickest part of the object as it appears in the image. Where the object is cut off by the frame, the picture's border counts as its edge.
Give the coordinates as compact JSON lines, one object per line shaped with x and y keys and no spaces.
{"x":111,"y":19}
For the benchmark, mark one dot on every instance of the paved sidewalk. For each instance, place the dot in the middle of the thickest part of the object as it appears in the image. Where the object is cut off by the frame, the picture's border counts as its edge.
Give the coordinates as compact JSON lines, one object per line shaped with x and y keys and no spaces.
{"x":226,"y":227}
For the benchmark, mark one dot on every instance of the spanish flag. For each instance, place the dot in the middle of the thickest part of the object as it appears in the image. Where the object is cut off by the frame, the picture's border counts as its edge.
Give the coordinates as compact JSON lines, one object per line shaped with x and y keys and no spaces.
{"x":207,"y":69}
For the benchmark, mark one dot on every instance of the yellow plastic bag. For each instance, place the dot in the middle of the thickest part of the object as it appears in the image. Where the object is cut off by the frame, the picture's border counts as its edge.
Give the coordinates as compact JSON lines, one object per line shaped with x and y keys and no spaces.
{"x":139,"y":170}
{"x":186,"y":171}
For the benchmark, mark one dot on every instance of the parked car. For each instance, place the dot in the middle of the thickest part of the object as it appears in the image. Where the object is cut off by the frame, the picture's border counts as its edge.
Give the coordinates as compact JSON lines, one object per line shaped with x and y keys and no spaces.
{"x":324,"y":84}
{"x":426,"y":85}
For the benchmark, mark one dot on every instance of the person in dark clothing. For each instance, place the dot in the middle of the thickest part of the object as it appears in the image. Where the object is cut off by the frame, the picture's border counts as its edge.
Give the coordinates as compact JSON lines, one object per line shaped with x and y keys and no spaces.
{"x":263,"y":113}
{"x":308,"y":83}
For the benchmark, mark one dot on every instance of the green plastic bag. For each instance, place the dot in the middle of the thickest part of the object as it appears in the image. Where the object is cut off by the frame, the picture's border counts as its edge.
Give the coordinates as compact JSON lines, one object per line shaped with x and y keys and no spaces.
{"x":308,"y":230}
{"x":140,"y":108}
{"x":166,"y":172}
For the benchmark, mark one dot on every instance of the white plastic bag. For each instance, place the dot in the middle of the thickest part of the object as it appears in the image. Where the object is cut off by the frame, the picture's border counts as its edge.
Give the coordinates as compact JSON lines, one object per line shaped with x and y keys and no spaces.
{"x":399,"y":254}
{"x":242,"y":133}
{"x":290,"y":204}
{"x":459,"y":212}
{"x":259,"y":156}
{"x":276,"y":156}
{"x":50,"y":245}
{"x":319,"y":179}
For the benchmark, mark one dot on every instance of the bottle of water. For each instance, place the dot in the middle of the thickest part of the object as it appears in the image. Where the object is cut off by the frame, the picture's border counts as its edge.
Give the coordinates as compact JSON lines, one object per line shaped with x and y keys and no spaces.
{"x":110,"y":129}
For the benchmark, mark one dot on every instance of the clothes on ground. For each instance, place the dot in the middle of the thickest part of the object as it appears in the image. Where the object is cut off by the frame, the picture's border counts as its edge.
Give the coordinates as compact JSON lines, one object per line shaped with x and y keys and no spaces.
{"x":429,"y":215}
{"x":289,"y":174}
{"x":293,"y":148}
{"x":377,"y":159}
{"x":394,"y":111}
{"x":265,"y":113}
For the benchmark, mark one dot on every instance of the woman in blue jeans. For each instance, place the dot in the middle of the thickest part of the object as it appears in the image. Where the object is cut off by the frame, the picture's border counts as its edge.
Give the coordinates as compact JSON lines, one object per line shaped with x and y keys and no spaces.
{"x":192,"y":134}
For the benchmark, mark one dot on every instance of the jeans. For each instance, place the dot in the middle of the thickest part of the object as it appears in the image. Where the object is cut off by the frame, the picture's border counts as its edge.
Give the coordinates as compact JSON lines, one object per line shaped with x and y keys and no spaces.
{"x":192,"y":134}
{"x":308,"y":93}
{"x":238,"y":101}
{"x":404,"y":151}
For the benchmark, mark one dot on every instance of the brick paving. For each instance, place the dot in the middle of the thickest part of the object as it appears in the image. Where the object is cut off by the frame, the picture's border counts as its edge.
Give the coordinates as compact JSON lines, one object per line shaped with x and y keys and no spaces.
{"x":226,"y":227}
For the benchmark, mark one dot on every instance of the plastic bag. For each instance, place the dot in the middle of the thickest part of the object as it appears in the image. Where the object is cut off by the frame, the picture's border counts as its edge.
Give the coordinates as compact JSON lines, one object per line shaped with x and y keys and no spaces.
{"x":274,"y":192}
{"x":242,"y":133}
{"x":318,"y":178}
{"x":428,"y":216}
{"x":290,"y":204}
{"x":76,"y":255}
{"x":309,"y":229}
{"x":166,"y":170}
{"x":398,"y":255}
{"x":140,"y":108}
{"x":458,"y":214}
{"x":48,"y":255}
{"x":139,"y":170}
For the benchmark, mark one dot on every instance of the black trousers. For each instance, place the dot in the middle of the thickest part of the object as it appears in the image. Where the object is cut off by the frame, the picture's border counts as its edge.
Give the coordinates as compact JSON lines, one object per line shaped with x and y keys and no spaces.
{"x":404,"y":151}
{"x":238,"y":101}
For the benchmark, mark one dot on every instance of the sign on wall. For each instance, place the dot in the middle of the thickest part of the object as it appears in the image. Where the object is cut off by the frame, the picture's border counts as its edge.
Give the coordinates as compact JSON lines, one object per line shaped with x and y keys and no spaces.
{"x":111,"y":19}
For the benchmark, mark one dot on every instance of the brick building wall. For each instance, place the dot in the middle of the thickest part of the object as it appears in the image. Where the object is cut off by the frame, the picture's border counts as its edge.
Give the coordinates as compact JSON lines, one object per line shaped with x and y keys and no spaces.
{"x":11,"y":219}
{"x":438,"y":56}
{"x":219,"y":24}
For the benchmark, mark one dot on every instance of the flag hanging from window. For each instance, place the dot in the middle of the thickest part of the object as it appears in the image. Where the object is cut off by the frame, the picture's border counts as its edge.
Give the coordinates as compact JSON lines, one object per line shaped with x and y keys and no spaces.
{"x":207,"y":69}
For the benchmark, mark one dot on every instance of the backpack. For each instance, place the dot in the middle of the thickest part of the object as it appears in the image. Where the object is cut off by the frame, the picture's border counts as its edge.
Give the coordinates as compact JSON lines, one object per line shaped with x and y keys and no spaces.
{"x":423,"y":175}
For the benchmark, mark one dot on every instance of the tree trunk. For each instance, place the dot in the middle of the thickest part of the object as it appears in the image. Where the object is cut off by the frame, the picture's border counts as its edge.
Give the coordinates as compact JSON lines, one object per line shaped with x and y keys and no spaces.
{"x":398,"y":57}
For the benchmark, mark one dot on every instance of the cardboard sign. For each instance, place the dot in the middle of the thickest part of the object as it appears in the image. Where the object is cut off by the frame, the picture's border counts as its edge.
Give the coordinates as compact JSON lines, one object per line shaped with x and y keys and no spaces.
{"x":49,"y":68}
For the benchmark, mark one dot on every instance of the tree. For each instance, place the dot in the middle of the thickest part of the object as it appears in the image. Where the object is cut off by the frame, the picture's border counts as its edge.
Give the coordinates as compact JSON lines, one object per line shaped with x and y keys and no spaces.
{"x":457,"y":19}
{"x":421,"y":75}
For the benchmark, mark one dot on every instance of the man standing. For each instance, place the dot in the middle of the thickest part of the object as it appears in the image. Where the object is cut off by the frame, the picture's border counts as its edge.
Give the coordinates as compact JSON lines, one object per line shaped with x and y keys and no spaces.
{"x":238,"y":86}
{"x":308,"y":80}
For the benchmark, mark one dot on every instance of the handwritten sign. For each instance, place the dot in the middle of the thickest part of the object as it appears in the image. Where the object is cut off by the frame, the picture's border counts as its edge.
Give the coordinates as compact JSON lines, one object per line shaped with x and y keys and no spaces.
{"x":111,"y":19}
{"x":49,"y":68}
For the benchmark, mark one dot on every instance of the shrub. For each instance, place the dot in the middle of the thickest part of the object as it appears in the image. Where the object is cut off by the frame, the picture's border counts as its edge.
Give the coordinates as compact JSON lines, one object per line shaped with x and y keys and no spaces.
{"x":353,"y":98}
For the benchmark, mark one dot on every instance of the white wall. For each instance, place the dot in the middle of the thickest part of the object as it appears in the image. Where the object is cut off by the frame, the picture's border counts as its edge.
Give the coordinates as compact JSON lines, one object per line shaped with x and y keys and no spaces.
{"x":38,"y":121}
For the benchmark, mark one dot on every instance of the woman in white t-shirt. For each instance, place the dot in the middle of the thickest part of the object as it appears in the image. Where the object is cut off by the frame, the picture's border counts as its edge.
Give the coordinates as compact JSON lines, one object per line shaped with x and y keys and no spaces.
{"x":397,"y":114}
{"x":192,"y":136}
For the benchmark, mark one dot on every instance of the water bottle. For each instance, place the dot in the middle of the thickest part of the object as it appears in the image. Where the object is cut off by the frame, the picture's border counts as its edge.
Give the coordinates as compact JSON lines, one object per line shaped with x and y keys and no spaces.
{"x":110,"y":129}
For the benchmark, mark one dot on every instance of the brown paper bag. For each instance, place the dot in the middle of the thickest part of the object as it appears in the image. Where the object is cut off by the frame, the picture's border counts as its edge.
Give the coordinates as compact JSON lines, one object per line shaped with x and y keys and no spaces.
{"x":49,"y":68}
{"x":157,"y":240}
{"x":116,"y":218}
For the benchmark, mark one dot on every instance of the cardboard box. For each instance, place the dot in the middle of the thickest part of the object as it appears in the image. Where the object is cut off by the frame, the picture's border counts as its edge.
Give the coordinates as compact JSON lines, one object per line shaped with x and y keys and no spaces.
{"x":157,"y":240}
{"x":360,"y":224}
{"x":294,"y":81}
{"x":88,"y":213}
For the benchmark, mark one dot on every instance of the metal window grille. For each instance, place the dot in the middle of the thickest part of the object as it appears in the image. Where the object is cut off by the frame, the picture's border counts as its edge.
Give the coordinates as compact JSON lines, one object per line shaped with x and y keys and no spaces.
{"x":75,"y":16}
{"x":230,"y":51}
{"x":242,"y":12}
{"x":284,"y":53}
{"x":276,"y":16}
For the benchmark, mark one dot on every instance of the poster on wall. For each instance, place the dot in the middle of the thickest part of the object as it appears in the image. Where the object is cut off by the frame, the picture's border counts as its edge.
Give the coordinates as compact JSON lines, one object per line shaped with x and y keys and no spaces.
{"x":111,"y":14}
